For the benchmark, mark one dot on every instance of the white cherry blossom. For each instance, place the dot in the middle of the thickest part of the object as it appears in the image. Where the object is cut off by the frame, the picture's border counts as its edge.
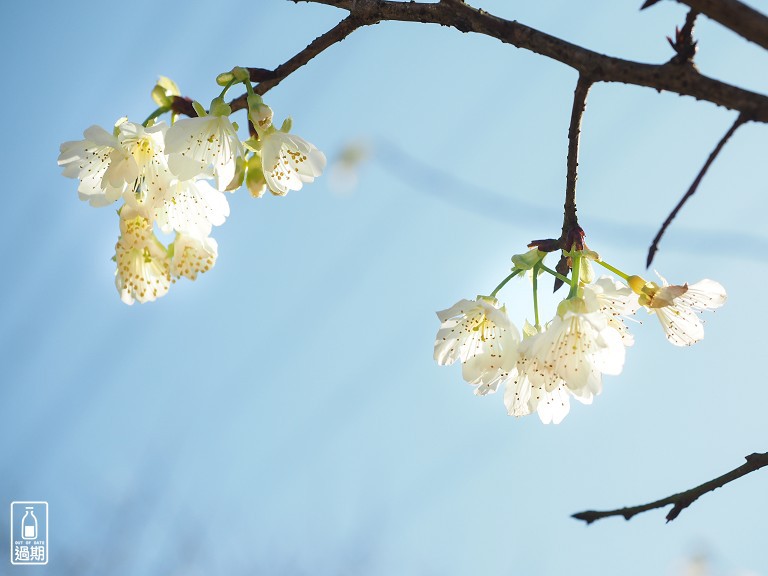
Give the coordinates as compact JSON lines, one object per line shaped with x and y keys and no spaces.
{"x":676,"y":306}
{"x":143,"y":264}
{"x":577,"y":347}
{"x":289,"y":161}
{"x":191,"y":207}
{"x":614,"y":300}
{"x":523,"y":397}
{"x":88,"y":160}
{"x":193,"y":256}
{"x":204,"y":146}
{"x":480,"y":335}
{"x":145,"y":171}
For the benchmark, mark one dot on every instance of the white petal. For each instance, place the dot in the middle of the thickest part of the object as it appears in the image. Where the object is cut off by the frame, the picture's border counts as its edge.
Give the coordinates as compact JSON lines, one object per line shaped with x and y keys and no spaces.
{"x":203,"y":146}
{"x":193,"y":256}
{"x":682,"y":326}
{"x":192,"y":207}
{"x":517,"y":394}
{"x":143,"y":265}
{"x":705,"y":295}
{"x":288,"y":161}
{"x":89,"y":160}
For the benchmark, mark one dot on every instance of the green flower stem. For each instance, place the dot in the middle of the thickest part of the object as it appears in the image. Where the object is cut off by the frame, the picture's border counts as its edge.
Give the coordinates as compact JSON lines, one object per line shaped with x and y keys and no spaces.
{"x":504,"y":282}
{"x":227,"y":87}
{"x":575,"y":274}
{"x":555,"y":274}
{"x":159,"y":112}
{"x":536,"y":294}
{"x":612,"y":269}
{"x":248,"y":87}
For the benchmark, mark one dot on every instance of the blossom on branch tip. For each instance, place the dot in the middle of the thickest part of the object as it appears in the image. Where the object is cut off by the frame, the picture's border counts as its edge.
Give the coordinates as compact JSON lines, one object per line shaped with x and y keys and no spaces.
{"x":88,"y":160}
{"x":676,"y":306}
{"x":613,"y":300}
{"x":131,"y":164}
{"x":577,"y":347}
{"x":145,"y":172}
{"x":204,"y":146}
{"x":289,"y":161}
{"x":143,"y":264}
{"x":522,"y":397}
{"x":193,"y":256}
{"x":191,"y":207}
{"x":480,"y":335}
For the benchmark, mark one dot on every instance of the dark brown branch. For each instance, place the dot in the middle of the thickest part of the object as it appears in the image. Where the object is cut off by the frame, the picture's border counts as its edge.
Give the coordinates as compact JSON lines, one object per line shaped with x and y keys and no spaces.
{"x":268,"y":79}
{"x":684,"y":499}
{"x":684,"y":80}
{"x":572,"y":235}
{"x":684,"y":45}
{"x":572,"y":232}
{"x":734,"y":15}
{"x":184,"y":106}
{"x":692,"y":190}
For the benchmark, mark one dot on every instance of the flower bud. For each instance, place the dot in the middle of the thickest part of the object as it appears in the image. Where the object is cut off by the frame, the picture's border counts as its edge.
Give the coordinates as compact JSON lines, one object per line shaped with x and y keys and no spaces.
{"x":164,"y":91}
{"x":528,"y":260}
{"x":259,"y":113}
{"x":254,"y":178}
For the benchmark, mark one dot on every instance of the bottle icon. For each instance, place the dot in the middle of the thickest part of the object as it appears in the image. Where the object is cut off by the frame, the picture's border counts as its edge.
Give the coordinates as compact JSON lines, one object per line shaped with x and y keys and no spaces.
{"x":29,"y":524}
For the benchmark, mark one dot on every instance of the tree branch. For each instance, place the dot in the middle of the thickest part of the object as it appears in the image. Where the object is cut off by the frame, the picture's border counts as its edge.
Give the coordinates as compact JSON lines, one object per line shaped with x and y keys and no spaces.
{"x":269,"y":79}
{"x":692,"y":190}
{"x":684,"y":499}
{"x":745,"y":21}
{"x":672,"y":77}
{"x":572,"y":232}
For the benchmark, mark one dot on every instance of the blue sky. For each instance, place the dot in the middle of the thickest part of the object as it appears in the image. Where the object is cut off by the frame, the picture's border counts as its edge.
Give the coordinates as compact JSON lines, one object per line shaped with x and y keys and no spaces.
{"x":283,"y":414}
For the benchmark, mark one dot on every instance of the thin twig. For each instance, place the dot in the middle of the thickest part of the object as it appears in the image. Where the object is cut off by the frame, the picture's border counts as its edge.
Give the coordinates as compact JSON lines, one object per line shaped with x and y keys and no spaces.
{"x":692,"y":190}
{"x":269,"y":79}
{"x":570,"y":219}
{"x":684,"y":499}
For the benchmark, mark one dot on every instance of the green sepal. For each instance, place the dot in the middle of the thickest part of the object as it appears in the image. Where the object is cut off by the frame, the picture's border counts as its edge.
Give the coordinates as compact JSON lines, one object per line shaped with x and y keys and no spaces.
{"x":164,"y":91}
{"x":240,"y":74}
{"x":201,"y":112}
{"x":254,"y":178}
{"x":219,"y":107}
{"x":253,"y":145}
{"x":237,"y":180}
{"x":528,"y":260}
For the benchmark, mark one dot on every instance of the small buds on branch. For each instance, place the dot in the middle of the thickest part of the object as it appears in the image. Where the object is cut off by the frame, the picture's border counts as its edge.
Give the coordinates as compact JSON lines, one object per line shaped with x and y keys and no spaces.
{"x":681,"y":500}
{"x":684,"y":44}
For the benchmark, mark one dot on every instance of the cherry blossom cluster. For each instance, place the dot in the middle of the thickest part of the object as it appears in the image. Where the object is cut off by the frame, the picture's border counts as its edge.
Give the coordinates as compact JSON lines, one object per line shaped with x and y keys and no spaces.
{"x":174,"y":179}
{"x":567,"y":356}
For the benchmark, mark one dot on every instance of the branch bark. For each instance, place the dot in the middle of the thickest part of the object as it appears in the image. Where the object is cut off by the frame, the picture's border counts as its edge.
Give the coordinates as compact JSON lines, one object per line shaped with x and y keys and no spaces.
{"x":681,"y":500}
{"x":682,"y":79}
{"x":269,"y":79}
{"x":734,"y":15}
{"x":572,"y":235}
